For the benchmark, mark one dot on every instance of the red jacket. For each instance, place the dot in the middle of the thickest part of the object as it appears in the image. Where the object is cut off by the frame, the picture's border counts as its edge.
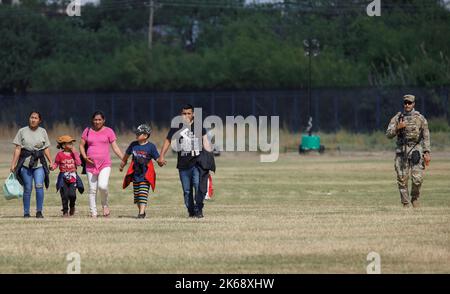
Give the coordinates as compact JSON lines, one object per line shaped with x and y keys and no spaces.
{"x":150,"y":175}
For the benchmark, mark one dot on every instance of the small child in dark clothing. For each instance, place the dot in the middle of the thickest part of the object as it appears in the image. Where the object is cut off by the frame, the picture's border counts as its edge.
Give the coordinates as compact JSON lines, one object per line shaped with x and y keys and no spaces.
{"x":68,"y":181}
{"x":141,"y":171}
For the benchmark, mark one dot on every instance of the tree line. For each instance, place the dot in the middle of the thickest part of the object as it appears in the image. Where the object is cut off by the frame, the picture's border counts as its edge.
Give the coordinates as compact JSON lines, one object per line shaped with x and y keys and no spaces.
{"x":221,"y":45}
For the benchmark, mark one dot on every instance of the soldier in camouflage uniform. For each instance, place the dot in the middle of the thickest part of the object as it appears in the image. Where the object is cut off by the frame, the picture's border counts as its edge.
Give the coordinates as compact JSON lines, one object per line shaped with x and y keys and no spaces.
{"x":413,"y":149}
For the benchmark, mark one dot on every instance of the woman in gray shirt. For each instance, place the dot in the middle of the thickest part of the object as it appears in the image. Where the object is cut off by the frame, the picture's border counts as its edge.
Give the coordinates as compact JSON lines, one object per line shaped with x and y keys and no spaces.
{"x":29,"y":162}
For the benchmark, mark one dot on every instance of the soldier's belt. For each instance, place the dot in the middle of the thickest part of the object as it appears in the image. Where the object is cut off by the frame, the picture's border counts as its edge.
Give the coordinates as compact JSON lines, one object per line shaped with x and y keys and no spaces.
{"x":412,"y":143}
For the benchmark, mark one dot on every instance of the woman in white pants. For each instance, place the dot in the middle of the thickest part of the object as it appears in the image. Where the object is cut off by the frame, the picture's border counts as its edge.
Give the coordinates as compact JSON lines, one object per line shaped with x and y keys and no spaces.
{"x":97,"y":140}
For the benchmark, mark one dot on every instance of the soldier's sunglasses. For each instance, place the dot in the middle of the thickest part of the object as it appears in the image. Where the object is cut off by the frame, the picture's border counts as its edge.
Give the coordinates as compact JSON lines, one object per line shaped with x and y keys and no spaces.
{"x":408,"y":102}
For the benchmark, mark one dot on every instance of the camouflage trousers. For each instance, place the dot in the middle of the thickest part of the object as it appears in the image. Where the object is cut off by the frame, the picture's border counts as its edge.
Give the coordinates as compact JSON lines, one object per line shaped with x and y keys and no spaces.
{"x":405,"y":169}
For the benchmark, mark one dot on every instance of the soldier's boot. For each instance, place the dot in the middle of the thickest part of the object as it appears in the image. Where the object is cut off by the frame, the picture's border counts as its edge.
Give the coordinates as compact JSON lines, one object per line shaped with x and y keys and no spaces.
{"x":402,"y":182}
{"x":415,"y":194}
{"x":404,"y":197}
{"x":417,"y":179}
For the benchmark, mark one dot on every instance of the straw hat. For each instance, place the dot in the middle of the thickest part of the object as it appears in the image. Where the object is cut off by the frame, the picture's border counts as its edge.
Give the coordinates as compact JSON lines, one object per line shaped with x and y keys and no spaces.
{"x":64,"y":139}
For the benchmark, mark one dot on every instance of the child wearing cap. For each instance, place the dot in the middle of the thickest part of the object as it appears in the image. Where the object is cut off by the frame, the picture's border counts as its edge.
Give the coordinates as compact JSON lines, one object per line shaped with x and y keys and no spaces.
{"x":68,"y":159}
{"x":141,"y":171}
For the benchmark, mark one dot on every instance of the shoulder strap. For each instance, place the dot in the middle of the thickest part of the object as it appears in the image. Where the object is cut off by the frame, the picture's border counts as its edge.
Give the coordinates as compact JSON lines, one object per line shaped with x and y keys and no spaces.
{"x":87,"y":134}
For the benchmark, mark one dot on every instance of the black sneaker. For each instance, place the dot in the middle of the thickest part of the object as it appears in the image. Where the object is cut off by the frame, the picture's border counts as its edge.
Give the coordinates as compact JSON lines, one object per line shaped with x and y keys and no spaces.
{"x":39,"y":214}
{"x":191,"y":214}
{"x":142,"y":215}
{"x":199,"y":215}
{"x":26,"y":215}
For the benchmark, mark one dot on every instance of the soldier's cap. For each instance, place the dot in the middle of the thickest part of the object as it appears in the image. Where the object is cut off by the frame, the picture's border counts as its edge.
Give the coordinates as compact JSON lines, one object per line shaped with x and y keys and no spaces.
{"x":409,"y":97}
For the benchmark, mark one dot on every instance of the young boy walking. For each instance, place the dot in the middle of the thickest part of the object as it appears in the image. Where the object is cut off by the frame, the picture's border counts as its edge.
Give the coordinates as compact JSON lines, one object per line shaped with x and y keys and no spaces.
{"x":141,"y":171}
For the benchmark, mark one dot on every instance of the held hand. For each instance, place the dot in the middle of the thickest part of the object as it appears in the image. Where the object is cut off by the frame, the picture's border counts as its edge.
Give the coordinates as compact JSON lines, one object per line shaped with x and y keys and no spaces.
{"x":161,"y":161}
{"x":89,"y":160}
{"x":12,"y":169}
{"x":122,"y":165}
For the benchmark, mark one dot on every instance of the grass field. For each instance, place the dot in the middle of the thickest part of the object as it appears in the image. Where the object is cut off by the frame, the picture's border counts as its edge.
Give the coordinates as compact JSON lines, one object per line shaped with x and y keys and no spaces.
{"x":313,"y":214}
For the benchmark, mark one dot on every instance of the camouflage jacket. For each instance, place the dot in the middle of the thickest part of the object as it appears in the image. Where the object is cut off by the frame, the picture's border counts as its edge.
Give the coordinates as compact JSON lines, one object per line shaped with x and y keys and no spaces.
{"x":415,"y":124}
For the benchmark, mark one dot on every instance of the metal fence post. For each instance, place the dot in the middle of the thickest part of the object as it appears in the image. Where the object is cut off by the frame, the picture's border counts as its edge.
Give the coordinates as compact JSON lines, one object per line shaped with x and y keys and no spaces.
{"x":253,"y":103}
{"x":316,"y":123}
{"x":152,"y":108}
{"x":55,"y":111}
{"x":192,"y":100}
{"x":274,"y":105}
{"x":445,"y":102}
{"x":171,"y":105}
{"x":233,"y":104}
{"x":423,"y":105}
{"x":336,"y":113}
{"x":17,"y":110}
{"x":296,"y":126}
{"x":378,"y":112}
{"x":133,"y":116}
{"x":94,"y":103}
{"x":113,"y":112}
{"x":213,"y":103}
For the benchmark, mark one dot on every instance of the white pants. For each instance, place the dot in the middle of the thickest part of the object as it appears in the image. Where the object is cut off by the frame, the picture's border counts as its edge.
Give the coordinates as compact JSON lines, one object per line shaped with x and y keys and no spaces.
{"x":98,"y":183}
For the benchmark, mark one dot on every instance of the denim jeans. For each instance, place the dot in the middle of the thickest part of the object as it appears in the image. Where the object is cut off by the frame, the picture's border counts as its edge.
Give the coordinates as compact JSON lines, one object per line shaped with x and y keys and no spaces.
{"x":28,"y":175}
{"x":190,"y":180}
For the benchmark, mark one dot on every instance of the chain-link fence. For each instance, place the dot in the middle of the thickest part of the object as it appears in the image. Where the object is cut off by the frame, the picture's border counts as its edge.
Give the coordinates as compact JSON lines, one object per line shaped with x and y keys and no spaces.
{"x":355,"y":109}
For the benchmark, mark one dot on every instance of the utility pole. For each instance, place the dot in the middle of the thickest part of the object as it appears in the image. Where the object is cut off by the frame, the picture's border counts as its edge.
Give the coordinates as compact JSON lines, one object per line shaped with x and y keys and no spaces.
{"x":312,"y":49}
{"x":150,"y":25}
